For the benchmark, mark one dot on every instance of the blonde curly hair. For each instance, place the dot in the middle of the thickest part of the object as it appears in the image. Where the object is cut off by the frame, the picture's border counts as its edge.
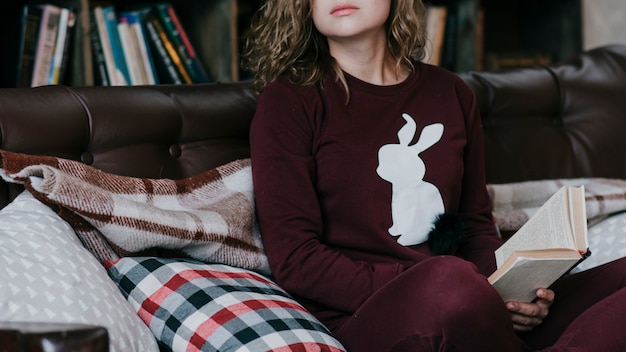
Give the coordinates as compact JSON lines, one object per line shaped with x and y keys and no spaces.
{"x":284,"y":42}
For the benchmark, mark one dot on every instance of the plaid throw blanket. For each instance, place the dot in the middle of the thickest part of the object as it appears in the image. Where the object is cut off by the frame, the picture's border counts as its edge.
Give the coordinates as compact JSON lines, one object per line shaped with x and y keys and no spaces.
{"x":208,"y":217}
{"x":514,"y":203}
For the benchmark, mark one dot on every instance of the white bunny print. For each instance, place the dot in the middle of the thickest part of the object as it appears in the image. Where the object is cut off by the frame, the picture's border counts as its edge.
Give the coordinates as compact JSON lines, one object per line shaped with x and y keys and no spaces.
{"x":415,"y":204}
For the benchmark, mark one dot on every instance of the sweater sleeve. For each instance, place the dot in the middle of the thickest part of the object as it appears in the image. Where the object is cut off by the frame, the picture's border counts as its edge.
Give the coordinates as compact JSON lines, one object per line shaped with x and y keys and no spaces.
{"x":283,"y":137}
{"x":481,"y":238}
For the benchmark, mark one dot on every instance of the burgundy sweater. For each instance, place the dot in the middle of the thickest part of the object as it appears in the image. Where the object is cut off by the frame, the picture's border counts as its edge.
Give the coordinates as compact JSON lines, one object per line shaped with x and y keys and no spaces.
{"x":346,"y":192}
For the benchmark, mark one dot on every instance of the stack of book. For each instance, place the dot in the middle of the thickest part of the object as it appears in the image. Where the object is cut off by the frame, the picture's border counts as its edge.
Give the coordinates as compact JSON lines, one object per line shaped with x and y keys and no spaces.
{"x":44,"y":34}
{"x":454,"y":35}
{"x":142,"y":46}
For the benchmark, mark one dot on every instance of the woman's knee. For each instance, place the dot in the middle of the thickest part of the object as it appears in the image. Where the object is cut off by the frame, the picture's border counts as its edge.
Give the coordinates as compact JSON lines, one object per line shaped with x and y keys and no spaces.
{"x":452,"y":274}
{"x":455,"y":290}
{"x":435,"y":303}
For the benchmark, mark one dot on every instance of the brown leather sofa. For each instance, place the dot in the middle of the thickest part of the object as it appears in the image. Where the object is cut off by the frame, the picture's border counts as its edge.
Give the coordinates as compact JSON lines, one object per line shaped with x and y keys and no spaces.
{"x":566,"y":120}
{"x":167,"y":131}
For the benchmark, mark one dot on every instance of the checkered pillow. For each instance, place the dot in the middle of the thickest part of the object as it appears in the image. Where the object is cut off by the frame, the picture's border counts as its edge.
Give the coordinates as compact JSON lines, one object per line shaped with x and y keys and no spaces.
{"x":193,"y":306}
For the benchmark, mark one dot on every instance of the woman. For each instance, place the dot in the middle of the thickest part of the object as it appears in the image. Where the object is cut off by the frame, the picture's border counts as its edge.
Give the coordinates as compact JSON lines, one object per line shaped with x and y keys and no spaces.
{"x":369,"y":176}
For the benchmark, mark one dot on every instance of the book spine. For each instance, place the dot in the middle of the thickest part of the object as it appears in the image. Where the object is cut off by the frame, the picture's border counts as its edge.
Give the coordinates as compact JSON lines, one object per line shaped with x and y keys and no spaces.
{"x":181,"y":42}
{"x":129,"y":46}
{"x":467,"y":17}
{"x":122,"y":77}
{"x":171,"y":51}
{"x":47,"y":36}
{"x":82,"y":71}
{"x":59,"y":48}
{"x":101,"y":74}
{"x":105,"y":45}
{"x":29,"y":46}
{"x":168,"y":72}
{"x":65,"y":57}
{"x":143,"y":51}
{"x":146,"y":52}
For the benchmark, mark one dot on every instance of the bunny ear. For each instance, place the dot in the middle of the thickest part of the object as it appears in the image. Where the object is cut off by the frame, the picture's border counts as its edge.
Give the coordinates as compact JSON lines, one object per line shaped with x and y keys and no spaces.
{"x":431,"y":134}
{"x":406,"y":133}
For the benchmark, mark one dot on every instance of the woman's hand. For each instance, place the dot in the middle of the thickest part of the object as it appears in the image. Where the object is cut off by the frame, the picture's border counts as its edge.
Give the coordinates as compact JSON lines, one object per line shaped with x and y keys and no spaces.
{"x":526,"y":316}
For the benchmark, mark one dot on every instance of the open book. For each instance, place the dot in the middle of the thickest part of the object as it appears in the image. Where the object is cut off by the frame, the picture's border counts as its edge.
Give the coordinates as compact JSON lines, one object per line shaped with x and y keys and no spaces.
{"x":549,"y":245}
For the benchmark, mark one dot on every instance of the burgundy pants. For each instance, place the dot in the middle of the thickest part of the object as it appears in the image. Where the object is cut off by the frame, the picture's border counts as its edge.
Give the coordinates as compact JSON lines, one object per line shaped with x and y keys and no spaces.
{"x":444,"y":304}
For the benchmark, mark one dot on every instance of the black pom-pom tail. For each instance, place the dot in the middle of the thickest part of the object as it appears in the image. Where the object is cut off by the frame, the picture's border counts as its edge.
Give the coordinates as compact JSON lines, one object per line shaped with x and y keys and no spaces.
{"x":446,"y":234}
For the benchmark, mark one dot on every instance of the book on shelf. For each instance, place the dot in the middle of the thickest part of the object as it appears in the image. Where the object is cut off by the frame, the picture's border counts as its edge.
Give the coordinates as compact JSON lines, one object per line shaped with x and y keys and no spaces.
{"x":67,"y":20}
{"x":132,"y":54}
{"x":168,"y":63}
{"x":138,"y":50}
{"x":18,"y":39}
{"x":469,"y":40}
{"x":29,"y":46}
{"x":181,"y":43}
{"x":171,"y":50}
{"x":108,"y":35}
{"x":46,"y":42}
{"x":435,"y":30}
{"x":80,"y":70}
{"x":463,"y":36}
{"x":103,"y":46}
{"x":121,"y":77}
{"x":66,"y":58}
{"x":211,"y":25}
{"x":546,"y":247}
{"x":100,"y":76}
{"x":166,"y":71}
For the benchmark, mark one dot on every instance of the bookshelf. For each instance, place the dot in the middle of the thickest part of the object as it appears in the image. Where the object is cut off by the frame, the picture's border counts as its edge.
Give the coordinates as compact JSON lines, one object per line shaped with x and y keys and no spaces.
{"x":537,"y":31}
{"x":213,"y":28}
{"x":479,"y":34}
{"x":501,"y":34}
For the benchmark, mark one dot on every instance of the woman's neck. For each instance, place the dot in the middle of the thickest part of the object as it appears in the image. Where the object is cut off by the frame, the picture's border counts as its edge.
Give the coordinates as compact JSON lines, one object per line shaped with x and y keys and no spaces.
{"x":369,"y":61}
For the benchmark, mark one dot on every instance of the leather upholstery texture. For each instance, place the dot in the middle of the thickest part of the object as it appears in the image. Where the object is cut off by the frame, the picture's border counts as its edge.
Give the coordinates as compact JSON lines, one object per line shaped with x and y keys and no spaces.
{"x":563,"y":120}
{"x":163,"y":131}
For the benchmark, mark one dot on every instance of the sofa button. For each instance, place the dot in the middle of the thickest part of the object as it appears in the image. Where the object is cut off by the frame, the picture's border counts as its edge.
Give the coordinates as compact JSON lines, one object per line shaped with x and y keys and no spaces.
{"x":87,"y":158}
{"x":175,"y":150}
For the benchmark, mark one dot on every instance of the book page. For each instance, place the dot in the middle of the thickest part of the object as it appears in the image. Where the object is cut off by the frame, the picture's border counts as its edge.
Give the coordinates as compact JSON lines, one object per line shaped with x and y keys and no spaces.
{"x":525,"y":275}
{"x":578,"y":213}
{"x":545,"y":229}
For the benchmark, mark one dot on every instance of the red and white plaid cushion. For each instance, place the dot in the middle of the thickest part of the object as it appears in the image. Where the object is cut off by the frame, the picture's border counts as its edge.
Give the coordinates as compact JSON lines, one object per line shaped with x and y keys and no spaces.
{"x":193,"y":306}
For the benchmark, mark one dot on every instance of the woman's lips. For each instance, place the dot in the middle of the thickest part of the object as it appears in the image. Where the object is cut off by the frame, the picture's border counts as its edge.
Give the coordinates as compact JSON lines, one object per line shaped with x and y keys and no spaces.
{"x":343,"y":10}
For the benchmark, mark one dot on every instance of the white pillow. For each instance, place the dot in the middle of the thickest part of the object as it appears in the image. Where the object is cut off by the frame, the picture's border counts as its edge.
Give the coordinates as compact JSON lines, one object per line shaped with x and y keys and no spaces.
{"x":46,"y":275}
{"x":607,"y":242}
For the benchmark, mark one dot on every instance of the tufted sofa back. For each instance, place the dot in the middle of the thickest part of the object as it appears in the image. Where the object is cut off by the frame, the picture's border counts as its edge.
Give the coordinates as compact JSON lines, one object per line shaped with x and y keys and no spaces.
{"x":166,"y":131}
{"x":566,"y":120}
